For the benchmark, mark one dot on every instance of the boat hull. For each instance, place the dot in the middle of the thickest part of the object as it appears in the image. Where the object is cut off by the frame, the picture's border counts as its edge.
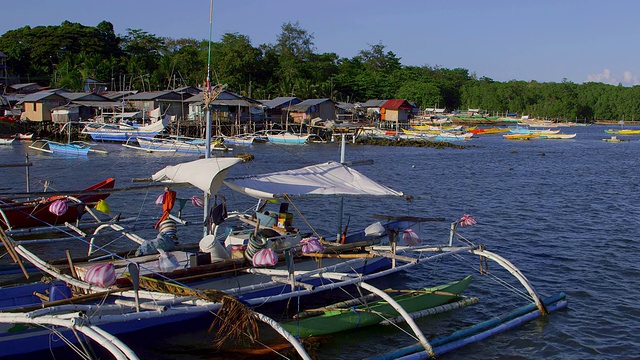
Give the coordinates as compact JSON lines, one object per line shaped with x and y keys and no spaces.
{"x":332,"y":321}
{"x":16,"y":215}
{"x":70,"y":149}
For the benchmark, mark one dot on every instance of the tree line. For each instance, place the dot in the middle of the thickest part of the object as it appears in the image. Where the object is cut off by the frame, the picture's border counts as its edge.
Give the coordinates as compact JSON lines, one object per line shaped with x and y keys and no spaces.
{"x":63,"y":56}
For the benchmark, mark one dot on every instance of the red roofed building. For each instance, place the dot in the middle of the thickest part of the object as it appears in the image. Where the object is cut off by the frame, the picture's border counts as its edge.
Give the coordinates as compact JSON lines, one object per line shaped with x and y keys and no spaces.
{"x":395,"y":111}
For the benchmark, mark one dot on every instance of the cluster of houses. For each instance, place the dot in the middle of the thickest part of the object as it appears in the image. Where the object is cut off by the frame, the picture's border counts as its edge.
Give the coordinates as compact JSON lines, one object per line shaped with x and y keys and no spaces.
{"x":37,"y":104}
{"x":30,"y":102}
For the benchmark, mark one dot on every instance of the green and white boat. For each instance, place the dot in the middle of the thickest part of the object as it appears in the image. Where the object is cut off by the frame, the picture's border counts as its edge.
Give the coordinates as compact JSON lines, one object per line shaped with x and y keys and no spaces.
{"x":333,"y":319}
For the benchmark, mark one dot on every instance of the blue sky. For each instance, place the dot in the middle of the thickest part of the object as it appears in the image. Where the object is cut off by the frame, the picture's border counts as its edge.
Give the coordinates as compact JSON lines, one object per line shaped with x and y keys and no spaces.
{"x":542,"y":40}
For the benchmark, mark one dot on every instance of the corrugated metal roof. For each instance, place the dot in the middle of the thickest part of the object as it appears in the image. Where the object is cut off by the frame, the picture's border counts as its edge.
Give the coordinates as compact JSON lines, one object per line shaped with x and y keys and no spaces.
{"x":117,"y":94}
{"x":40,"y":95}
{"x":226,"y":98}
{"x":98,"y":103}
{"x":232,"y":103}
{"x":305,"y":105}
{"x":373,"y":103}
{"x":20,"y":86}
{"x":151,"y":95}
{"x":281,"y":101}
{"x":311,"y":102}
{"x":84,"y":96}
{"x":345,"y":106}
{"x":396,"y":104}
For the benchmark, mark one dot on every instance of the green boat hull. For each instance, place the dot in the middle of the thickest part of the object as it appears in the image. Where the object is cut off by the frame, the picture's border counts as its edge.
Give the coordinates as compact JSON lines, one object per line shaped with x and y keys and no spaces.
{"x":333,"y":321}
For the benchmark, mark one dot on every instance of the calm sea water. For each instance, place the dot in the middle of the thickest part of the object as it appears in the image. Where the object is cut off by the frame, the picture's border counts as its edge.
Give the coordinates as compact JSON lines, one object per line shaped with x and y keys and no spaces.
{"x":564,"y":211}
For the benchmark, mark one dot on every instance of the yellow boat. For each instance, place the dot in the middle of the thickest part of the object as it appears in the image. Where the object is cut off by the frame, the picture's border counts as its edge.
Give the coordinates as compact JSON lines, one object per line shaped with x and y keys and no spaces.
{"x":520,"y":136}
{"x":623,"y":131}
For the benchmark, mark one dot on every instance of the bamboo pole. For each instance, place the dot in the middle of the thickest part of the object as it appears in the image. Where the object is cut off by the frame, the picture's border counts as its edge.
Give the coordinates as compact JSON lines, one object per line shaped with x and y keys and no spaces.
{"x":8,"y":245}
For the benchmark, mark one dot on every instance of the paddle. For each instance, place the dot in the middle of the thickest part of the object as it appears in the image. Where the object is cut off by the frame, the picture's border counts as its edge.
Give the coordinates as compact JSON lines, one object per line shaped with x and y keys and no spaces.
{"x":344,"y":233}
{"x":134,"y":272}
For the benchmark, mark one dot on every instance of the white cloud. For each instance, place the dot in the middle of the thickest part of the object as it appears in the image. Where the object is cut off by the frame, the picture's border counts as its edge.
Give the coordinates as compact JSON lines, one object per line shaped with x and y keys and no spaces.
{"x":607,"y":77}
{"x":630,"y":79}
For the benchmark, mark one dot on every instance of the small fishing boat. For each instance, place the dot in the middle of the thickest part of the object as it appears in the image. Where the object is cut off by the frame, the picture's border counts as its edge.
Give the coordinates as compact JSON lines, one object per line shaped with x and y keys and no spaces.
{"x":520,"y":136}
{"x":123,"y":132}
{"x":488,"y":131}
{"x":522,"y":130}
{"x":333,"y":319}
{"x":557,"y":136}
{"x":447,"y":136}
{"x":283,"y":137}
{"x":68,"y":148}
{"x":241,"y":140}
{"x":613,"y":139}
{"x":180,"y":145}
{"x":72,"y":148}
{"x":623,"y":131}
{"x":38,"y":212}
{"x":7,"y":140}
{"x":20,"y":136}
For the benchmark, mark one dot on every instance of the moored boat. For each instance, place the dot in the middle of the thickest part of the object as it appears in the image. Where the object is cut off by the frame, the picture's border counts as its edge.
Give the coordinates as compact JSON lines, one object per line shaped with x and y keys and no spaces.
{"x":123,"y":132}
{"x":72,"y":148}
{"x":7,"y":140}
{"x":27,"y":136}
{"x":333,"y":319}
{"x":520,"y":136}
{"x":488,"y":131}
{"x":283,"y":137}
{"x":613,"y":138}
{"x":623,"y":131}
{"x":242,"y":140}
{"x":180,"y":145}
{"x":557,"y":136}
{"x":37,"y":213}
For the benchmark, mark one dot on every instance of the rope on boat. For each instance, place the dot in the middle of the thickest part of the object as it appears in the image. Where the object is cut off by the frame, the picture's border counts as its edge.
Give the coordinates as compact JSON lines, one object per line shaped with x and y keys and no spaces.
{"x":233,"y":319}
{"x":255,"y":244}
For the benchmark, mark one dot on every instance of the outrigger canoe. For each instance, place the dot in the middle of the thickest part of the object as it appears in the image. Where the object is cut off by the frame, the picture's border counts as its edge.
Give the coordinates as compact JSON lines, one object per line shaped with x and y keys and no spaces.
{"x":334,"y":319}
{"x":33,"y":213}
{"x":520,"y":136}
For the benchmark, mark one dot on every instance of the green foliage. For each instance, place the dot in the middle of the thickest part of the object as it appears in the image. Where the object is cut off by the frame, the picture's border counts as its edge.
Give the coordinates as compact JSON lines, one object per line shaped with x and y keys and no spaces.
{"x":65,"y":55}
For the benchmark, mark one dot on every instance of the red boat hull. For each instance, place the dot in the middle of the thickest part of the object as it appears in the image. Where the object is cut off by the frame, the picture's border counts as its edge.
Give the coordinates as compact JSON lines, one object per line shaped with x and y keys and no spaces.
{"x":36,"y":212}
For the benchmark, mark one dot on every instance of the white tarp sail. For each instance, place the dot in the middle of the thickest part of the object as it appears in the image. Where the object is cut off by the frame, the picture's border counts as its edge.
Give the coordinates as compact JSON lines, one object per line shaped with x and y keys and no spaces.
{"x":331,"y":178}
{"x":156,"y":126}
{"x":205,"y":174}
{"x":155,"y":113}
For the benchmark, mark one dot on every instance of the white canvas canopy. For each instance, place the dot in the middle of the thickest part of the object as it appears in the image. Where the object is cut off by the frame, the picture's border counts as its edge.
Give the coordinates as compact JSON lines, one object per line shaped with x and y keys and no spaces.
{"x":205,"y":174}
{"x":331,"y":178}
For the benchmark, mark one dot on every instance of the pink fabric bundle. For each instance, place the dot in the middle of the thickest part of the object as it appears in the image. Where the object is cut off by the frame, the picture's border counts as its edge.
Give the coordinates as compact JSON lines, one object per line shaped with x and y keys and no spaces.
{"x":311,"y":245}
{"x":197,"y":202}
{"x":58,"y":207}
{"x":103,"y":275}
{"x":411,"y":238}
{"x":467,"y":220}
{"x":265,"y":257}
